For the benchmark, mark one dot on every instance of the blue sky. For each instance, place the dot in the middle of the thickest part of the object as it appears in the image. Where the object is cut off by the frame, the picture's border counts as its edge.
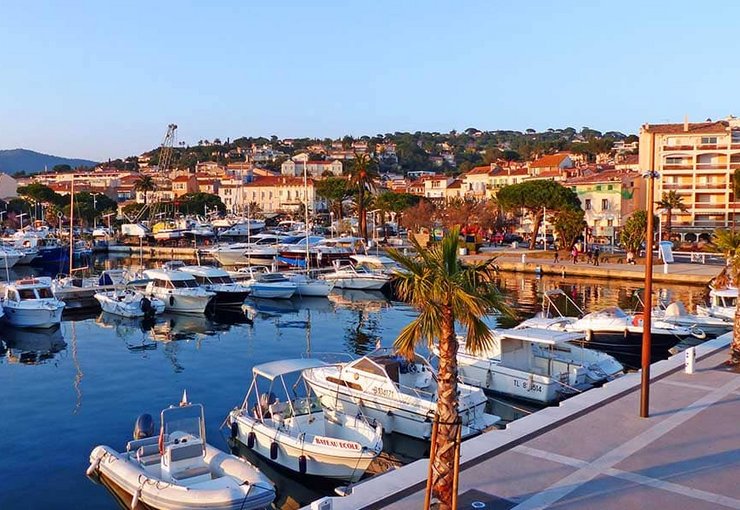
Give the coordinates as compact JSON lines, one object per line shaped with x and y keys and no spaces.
{"x":103,"y":79}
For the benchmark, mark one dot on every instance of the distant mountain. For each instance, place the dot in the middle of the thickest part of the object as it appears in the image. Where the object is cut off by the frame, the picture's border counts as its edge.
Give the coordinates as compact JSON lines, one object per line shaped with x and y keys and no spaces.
{"x":31,"y":162}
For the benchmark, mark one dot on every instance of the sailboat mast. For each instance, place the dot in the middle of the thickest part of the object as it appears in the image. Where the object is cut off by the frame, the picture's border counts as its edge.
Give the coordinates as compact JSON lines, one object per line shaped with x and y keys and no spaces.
{"x":305,"y":205}
{"x":71,"y":225}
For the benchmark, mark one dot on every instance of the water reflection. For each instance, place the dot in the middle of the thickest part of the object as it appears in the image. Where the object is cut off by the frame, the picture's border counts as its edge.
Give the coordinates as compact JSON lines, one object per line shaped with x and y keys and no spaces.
{"x":32,"y":346}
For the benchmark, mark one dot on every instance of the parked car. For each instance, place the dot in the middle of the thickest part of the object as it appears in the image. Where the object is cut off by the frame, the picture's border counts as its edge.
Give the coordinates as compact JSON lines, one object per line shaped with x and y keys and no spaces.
{"x":513,"y":238}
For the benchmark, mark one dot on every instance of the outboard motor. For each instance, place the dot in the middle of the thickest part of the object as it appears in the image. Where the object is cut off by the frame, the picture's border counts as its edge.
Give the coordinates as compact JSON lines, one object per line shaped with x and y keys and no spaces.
{"x":144,"y":426}
{"x":146,"y":306}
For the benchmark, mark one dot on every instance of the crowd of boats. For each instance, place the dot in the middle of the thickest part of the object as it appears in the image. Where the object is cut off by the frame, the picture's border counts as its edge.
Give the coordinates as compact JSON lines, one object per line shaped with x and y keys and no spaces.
{"x":323,"y":418}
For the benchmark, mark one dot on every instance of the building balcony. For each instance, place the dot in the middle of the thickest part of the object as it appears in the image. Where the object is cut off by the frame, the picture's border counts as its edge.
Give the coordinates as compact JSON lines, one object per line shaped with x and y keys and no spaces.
{"x":711,"y":166}
{"x":678,"y":147}
{"x":720,"y":186}
{"x":678,"y":167}
{"x":712,"y":205}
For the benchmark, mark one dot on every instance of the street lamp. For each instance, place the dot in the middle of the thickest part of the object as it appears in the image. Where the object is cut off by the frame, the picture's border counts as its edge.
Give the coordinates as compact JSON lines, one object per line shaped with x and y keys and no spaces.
{"x":648,"y":306}
{"x":95,"y":209}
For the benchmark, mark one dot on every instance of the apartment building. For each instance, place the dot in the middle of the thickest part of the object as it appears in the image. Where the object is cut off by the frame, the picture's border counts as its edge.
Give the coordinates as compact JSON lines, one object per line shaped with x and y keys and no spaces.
{"x":697,"y":160}
{"x":294,"y":167}
{"x":608,"y":198}
{"x":273,"y":194}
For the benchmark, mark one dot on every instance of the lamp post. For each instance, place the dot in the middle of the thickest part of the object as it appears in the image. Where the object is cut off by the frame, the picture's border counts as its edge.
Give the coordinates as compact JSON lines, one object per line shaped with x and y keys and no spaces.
{"x":647,"y":312}
{"x":95,"y":209}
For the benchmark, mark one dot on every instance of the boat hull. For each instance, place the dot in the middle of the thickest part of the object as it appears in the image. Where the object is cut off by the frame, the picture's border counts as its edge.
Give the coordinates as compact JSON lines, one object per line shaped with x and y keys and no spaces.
{"x":269,"y":291}
{"x":358,"y":283}
{"x":33,"y":318}
{"x":348,"y":465}
{"x":51,"y":255}
{"x":626,"y":346}
{"x":183,"y":303}
{"x":225,"y":298}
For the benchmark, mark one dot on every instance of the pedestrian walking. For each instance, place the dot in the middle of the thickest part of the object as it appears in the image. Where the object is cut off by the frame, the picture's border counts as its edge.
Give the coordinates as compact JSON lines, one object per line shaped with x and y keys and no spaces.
{"x":574,"y":254}
{"x":596,"y":256}
{"x":556,"y":257}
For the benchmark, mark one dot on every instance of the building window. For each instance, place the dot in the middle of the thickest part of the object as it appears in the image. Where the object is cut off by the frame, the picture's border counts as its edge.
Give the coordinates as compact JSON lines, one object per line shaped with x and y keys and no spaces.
{"x":674,"y":161}
{"x":736,"y":136}
{"x":587,"y":205}
{"x":604,"y":204}
{"x":598,"y":188}
{"x":610,"y":187}
{"x":609,"y":223}
{"x":707,"y":140}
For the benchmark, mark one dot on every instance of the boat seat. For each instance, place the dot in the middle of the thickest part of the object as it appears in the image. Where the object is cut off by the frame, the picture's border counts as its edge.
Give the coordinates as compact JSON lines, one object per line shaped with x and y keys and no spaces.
{"x":192,"y":472}
{"x":148,"y":455}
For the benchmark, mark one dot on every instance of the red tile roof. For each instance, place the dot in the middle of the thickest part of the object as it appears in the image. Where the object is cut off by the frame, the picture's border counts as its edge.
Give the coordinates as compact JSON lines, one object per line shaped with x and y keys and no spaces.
{"x":603,"y":176}
{"x":457,"y":183}
{"x":719,"y":126}
{"x":181,"y":178}
{"x":479,"y":170}
{"x":551,"y":160}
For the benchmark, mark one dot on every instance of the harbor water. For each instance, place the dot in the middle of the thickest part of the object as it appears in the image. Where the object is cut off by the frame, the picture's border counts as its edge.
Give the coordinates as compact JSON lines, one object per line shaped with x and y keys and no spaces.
{"x":68,"y":389}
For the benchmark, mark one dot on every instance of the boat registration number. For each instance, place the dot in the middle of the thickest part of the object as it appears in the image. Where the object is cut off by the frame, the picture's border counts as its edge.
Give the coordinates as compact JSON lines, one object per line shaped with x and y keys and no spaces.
{"x":377,"y":390}
{"x":527,"y":386}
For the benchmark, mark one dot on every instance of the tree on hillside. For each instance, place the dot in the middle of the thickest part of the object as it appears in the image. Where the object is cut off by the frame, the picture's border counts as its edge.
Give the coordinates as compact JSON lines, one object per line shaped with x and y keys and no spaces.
{"x":444,"y":291}
{"x":569,"y":224}
{"x":59,"y":169}
{"x":145,"y":184}
{"x":534,"y":197}
{"x":669,"y":202}
{"x":197,"y":203}
{"x":334,"y":190}
{"x":728,"y":242}
{"x":363,"y":176}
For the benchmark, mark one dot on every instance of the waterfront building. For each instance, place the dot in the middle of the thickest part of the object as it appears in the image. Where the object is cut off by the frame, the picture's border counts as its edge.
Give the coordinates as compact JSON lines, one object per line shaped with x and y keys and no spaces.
{"x":277,"y":194}
{"x":697,"y":160}
{"x":608,"y":198}
{"x":483,"y":182}
{"x":294,"y":167}
{"x":184,"y":184}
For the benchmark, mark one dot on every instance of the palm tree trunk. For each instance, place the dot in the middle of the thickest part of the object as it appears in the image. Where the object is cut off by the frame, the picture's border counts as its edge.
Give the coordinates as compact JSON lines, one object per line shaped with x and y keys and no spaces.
{"x":668,"y":225}
{"x":361,"y":213}
{"x":735,"y":345}
{"x":444,"y":461}
{"x":536,"y":221}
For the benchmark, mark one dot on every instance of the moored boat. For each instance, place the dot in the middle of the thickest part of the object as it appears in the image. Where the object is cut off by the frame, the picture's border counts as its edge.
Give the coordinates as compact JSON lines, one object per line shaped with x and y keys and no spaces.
{"x":399,"y":394}
{"x":178,"y":469}
{"x":178,"y":289}
{"x":297,"y":433}
{"x":348,"y":276}
{"x":30,"y":303}
{"x":129,"y":303}
{"x":216,"y":280}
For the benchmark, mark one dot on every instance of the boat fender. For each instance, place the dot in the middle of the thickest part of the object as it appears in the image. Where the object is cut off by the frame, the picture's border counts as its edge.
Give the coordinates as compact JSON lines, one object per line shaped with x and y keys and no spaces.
{"x":172,"y":300}
{"x":302,"y":464}
{"x":626,"y":333}
{"x":250,"y":440}
{"x":234,"y":429}
{"x":637,"y":320}
{"x":589,"y":334}
{"x":389,"y":413}
{"x":273,"y":450}
{"x":135,"y":499}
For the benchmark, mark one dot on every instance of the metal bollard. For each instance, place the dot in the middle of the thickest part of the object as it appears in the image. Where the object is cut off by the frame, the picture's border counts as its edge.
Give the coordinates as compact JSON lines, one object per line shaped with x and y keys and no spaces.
{"x":690,"y":360}
{"x":665,"y":268}
{"x":524,"y":258}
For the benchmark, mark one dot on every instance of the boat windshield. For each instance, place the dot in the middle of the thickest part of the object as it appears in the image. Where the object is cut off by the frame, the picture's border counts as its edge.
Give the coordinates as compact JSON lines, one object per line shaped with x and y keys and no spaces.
{"x":728,"y":301}
{"x":188,"y":419}
{"x":26,"y":294}
{"x":182,"y":284}
{"x":45,"y":293}
{"x":220,"y":279}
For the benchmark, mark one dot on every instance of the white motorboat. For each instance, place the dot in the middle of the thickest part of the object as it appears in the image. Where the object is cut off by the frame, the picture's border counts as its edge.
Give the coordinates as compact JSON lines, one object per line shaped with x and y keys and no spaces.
{"x":129,"y":303}
{"x":179,"y":291}
{"x":722,"y":304}
{"x":178,"y":470}
{"x":309,"y":287}
{"x":30,"y":253}
{"x":400,"y":395}
{"x":30,"y":303}
{"x":297,"y":433}
{"x":377,"y":263}
{"x":676,"y":313}
{"x":348,"y":276}
{"x":535,"y":364}
{"x":10,"y":257}
{"x":261,"y":250}
{"x":243,"y":228}
{"x":611,"y":329}
{"x":216,"y":280}
{"x":264,"y":284}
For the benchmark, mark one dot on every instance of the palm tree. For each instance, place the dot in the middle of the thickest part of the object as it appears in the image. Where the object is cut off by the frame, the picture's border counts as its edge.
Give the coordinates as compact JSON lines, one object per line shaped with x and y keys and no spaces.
{"x":145,"y":184}
{"x":443,"y":291}
{"x":363,"y":175}
{"x":669,"y":202}
{"x":728,"y":242}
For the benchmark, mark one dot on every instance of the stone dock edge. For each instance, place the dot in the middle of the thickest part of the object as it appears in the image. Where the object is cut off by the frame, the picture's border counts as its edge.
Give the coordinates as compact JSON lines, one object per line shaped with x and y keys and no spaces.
{"x":381,"y":490}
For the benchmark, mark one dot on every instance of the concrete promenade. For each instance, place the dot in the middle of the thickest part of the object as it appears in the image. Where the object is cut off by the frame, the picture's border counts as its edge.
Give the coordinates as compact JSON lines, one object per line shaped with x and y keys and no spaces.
{"x":593,"y":451}
{"x":680,"y":272}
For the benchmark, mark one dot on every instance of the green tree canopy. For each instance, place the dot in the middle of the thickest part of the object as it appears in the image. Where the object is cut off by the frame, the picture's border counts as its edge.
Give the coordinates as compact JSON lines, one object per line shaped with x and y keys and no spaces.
{"x":197,"y":203}
{"x":669,"y":202}
{"x":534,"y":197}
{"x":40,"y":193}
{"x":634,"y":231}
{"x":569,"y":224}
{"x":334,"y":190}
{"x":728,"y":242}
